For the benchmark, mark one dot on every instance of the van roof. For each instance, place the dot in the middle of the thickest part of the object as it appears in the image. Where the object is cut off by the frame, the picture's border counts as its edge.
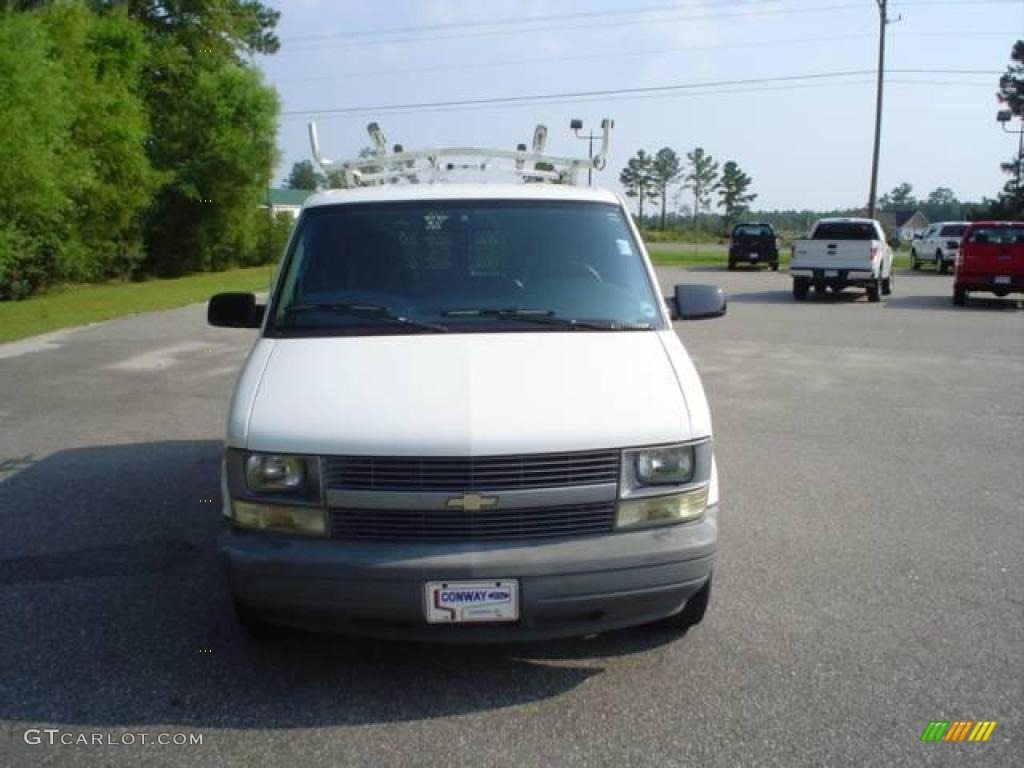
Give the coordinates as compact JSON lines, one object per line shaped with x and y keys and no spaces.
{"x":391,"y":193}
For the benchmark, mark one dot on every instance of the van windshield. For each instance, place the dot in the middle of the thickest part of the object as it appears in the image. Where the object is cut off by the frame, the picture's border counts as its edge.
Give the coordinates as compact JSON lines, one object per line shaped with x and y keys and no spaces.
{"x":463,"y":266}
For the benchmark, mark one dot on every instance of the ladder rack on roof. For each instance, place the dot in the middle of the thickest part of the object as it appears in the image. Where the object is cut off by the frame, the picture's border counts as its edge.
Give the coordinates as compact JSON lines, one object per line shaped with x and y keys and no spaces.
{"x":391,"y":166}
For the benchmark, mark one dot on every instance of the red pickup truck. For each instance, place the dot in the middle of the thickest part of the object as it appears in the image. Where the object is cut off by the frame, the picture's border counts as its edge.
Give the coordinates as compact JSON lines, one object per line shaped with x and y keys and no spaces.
{"x":991,"y":259}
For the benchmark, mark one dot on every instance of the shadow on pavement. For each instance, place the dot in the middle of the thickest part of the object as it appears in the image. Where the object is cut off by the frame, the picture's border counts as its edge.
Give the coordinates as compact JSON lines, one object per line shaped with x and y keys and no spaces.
{"x":116,"y":614}
{"x":786,"y":297}
{"x":945,"y":302}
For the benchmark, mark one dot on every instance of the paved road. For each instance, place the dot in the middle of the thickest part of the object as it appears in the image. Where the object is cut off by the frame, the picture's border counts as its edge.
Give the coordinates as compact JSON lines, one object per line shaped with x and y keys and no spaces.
{"x":871,"y":575}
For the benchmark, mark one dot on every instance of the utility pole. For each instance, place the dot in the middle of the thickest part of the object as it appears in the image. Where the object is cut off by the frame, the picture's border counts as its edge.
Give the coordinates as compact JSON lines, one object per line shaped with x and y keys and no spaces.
{"x":883,"y":21}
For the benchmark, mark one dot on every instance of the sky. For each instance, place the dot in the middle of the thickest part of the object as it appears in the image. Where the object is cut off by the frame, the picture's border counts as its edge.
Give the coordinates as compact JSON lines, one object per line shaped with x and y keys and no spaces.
{"x":805,"y":142}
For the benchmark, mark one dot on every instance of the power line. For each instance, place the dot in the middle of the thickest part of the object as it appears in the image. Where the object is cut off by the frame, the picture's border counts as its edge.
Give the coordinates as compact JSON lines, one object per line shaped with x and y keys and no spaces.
{"x":607,"y":93}
{"x":577,"y":57}
{"x":529,"y":22}
{"x":567,"y":27}
{"x":506,"y":21}
{"x":621,"y":54}
{"x":680,"y":94}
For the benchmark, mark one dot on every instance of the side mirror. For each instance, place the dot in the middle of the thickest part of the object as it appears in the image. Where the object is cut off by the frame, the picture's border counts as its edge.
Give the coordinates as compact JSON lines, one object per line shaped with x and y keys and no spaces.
{"x":234,"y":310}
{"x":696,"y":302}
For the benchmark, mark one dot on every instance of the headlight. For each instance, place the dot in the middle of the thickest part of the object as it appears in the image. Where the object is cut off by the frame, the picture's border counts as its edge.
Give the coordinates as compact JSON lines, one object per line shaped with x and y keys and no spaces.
{"x":649,"y":470}
{"x":310,"y":521}
{"x":270,"y":473}
{"x":672,"y":465}
{"x":662,"y":510}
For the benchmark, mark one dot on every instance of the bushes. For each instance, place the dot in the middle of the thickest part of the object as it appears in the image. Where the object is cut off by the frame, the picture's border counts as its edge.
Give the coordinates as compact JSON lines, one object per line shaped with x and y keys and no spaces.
{"x":273,"y":236}
{"x":131,"y":145}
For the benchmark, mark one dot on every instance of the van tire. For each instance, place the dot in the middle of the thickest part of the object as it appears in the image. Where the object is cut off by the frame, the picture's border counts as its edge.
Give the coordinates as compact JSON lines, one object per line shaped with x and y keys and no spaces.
{"x":914,"y":263}
{"x":940,"y":265}
{"x":801,"y":285}
{"x":775,"y":266}
{"x":694,"y":610}
{"x":874,"y":289}
{"x":959,"y":296}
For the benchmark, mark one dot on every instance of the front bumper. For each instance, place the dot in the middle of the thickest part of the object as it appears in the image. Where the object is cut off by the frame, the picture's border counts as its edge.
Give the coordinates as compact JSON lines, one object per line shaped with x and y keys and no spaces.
{"x":567,"y":587}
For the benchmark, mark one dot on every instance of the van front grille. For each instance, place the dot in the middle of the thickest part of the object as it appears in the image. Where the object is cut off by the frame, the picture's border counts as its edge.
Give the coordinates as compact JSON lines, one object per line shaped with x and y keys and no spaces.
{"x":447,"y":525}
{"x":460,"y":474}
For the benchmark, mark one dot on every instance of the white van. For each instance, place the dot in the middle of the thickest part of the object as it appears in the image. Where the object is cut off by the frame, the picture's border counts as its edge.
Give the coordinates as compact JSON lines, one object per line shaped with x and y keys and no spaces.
{"x":467,"y":417}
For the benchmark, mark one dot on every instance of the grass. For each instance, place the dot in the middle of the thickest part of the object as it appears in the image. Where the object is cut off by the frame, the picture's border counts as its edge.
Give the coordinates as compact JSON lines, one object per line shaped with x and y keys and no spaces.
{"x":72,"y":305}
{"x":68,"y":306}
{"x":704,"y":254}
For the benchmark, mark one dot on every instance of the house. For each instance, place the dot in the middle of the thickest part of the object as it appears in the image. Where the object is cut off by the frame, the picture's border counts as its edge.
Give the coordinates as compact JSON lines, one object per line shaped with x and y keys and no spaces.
{"x":286,"y":200}
{"x":903,"y":224}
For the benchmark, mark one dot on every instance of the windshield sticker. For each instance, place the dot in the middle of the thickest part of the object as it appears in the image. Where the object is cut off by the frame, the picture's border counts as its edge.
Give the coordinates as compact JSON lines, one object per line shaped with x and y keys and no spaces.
{"x":434,"y":221}
{"x":624,"y":247}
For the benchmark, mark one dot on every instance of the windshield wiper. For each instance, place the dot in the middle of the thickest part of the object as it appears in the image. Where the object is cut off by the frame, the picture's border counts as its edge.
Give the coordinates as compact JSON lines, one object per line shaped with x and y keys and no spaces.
{"x":367,"y":310}
{"x":547,"y":317}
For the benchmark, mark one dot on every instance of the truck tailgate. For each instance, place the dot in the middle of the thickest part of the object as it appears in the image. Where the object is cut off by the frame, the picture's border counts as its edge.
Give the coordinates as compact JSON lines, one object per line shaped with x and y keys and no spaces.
{"x":838,"y":254}
{"x":1004,"y":258}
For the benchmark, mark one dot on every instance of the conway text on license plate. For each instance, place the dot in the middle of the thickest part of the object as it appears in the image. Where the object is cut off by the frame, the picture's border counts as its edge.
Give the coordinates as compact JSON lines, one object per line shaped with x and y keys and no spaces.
{"x":458,"y":602}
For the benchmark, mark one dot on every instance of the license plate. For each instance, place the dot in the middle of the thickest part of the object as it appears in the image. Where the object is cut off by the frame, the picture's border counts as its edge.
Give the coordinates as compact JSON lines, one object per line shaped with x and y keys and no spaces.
{"x":1002,"y":280}
{"x":464,"y":602}
{"x":831,"y":273}
{"x":753,"y":256}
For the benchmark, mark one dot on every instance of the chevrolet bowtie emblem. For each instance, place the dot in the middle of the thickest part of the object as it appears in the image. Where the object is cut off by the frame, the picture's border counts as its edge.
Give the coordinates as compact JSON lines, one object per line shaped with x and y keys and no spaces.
{"x":472,"y":502}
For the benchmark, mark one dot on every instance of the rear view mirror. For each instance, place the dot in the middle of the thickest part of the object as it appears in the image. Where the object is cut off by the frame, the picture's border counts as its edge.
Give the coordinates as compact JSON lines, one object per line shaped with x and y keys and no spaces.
{"x":697,"y":302}
{"x":234,"y":310}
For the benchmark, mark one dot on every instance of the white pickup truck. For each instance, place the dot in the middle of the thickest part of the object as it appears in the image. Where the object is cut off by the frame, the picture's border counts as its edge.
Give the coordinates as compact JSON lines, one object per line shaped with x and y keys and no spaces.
{"x":842,"y":252}
{"x":938,"y":245}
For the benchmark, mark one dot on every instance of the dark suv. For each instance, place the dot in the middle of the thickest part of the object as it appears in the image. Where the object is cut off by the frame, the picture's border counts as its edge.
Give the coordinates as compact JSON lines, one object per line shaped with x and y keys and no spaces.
{"x":753,"y":244}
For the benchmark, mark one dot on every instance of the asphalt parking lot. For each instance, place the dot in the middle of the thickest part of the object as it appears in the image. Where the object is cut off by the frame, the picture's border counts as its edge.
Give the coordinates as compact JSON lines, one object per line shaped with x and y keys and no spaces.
{"x":870,"y":576}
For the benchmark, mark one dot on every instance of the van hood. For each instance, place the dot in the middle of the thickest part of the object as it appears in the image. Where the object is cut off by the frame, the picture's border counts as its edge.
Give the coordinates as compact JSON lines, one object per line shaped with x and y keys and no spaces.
{"x":461,"y":394}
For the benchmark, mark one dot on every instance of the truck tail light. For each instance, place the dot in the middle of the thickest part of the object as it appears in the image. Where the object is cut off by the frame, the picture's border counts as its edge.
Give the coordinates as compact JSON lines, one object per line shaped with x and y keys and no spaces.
{"x":874,"y":252}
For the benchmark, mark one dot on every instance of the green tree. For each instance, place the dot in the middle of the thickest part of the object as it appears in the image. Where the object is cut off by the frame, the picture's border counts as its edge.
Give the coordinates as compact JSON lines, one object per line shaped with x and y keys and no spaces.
{"x":215,"y":28}
{"x":942,"y":205}
{"x":108,"y":177}
{"x":637,"y":179}
{"x":734,"y":197}
{"x":901,"y":198}
{"x":34,"y":126}
{"x":665,"y":171}
{"x":303,"y":176}
{"x":213,"y":128}
{"x":219,"y":146}
{"x":701,"y":179}
{"x":1011,"y":93}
